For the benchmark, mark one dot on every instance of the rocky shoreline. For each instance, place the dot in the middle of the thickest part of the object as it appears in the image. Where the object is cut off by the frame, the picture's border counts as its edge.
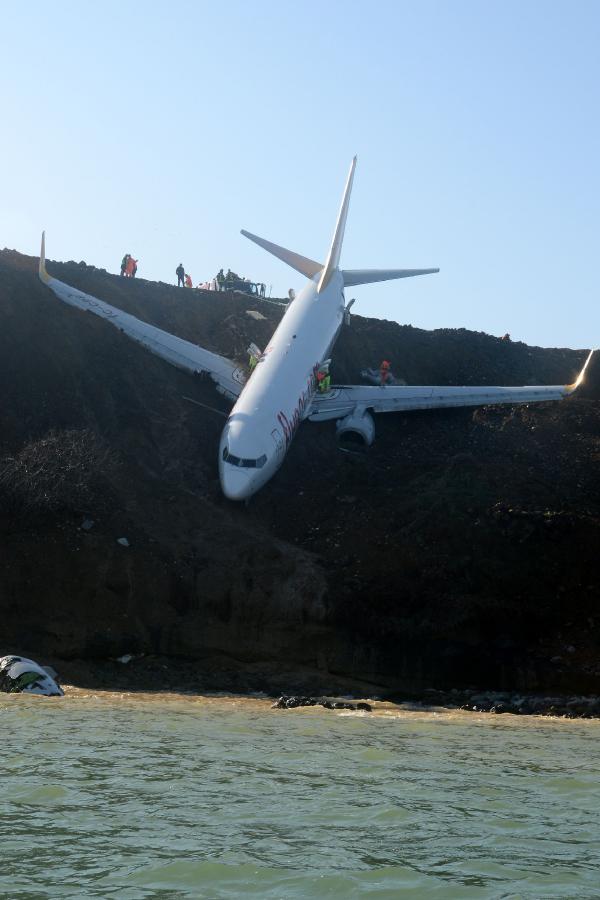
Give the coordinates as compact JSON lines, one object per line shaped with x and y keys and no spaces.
{"x":519,"y":704}
{"x":294,"y":688}
{"x":496,"y":702}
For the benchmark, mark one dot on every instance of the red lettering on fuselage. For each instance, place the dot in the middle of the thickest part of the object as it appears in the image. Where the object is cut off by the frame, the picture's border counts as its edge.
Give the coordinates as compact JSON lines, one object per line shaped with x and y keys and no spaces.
{"x":291,"y":426}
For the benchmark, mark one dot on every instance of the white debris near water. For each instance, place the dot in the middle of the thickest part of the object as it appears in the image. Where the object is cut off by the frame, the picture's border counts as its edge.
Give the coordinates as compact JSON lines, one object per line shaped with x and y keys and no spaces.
{"x":24,"y":676}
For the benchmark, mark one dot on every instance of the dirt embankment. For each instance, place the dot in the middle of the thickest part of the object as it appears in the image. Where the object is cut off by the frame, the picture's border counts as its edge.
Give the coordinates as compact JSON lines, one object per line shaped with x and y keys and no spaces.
{"x":462,"y":549}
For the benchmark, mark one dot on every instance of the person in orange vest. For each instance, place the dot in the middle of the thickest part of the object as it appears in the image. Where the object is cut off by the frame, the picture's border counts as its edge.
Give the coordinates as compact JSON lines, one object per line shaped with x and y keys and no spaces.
{"x":385,"y":374}
{"x":188,"y":280}
{"x":131,"y":267}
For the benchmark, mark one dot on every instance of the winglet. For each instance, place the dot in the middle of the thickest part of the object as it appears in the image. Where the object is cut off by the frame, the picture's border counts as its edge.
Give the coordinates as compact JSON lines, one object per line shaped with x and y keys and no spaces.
{"x":335,"y":250}
{"x":573,"y":387}
{"x":42,"y":269}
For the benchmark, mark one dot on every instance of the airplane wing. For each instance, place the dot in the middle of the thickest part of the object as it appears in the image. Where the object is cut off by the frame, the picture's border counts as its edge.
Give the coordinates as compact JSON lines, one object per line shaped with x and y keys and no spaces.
{"x":345,"y":399}
{"x":227,"y":375}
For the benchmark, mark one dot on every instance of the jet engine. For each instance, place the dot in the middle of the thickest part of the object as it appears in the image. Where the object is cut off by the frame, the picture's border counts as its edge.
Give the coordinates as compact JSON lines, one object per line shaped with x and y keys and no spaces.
{"x":356,"y":431}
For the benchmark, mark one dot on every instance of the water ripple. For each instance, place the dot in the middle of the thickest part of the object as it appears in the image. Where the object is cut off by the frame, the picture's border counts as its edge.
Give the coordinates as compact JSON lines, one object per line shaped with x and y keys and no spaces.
{"x":158,"y":797}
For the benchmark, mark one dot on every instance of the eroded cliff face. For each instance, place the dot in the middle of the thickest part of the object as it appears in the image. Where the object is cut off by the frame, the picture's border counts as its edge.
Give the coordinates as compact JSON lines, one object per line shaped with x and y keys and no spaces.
{"x":462,"y":549}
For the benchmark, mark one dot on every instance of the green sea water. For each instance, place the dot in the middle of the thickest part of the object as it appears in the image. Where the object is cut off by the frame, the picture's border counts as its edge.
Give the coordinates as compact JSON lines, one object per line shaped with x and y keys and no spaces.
{"x":131,"y":797}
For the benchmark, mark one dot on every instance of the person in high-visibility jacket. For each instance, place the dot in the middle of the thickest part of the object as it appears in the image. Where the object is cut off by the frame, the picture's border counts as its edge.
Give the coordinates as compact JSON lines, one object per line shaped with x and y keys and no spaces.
{"x":188,"y":280}
{"x":323,"y":380}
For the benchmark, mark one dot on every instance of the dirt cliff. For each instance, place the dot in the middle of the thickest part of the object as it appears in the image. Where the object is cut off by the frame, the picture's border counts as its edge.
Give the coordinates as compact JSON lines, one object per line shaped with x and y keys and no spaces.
{"x":462,"y":549}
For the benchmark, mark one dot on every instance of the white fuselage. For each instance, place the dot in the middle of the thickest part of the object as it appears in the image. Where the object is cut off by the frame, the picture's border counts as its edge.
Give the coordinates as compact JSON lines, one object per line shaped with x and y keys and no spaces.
{"x":280,"y":391}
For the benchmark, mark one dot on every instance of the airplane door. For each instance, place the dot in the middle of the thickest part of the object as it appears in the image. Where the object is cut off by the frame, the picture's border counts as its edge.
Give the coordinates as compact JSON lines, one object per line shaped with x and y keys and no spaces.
{"x":278,"y":440}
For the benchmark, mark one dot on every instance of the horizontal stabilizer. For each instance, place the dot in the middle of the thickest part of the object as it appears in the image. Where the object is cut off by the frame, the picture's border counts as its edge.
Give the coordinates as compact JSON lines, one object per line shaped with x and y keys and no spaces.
{"x":368,"y":276}
{"x":306,"y":267}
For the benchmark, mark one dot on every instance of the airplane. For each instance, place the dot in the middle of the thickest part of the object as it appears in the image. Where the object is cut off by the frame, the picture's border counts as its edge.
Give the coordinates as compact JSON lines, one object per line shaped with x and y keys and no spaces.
{"x":281,"y":391}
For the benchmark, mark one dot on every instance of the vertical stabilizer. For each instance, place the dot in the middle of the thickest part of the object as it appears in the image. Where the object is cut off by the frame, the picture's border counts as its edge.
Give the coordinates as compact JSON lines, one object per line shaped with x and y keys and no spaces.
{"x":42,"y":269}
{"x":335,"y":250}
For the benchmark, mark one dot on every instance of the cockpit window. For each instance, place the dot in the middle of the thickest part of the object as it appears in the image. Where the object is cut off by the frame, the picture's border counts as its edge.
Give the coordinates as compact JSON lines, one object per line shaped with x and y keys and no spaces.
{"x":243,"y":463}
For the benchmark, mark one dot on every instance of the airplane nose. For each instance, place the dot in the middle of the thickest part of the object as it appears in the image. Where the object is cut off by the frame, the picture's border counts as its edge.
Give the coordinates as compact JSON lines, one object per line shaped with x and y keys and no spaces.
{"x":236,"y":483}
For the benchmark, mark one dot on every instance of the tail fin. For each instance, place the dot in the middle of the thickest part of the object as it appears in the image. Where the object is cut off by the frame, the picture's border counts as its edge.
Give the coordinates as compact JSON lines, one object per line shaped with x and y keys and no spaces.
{"x":333,"y":258}
{"x":307,"y":267}
{"x":368,"y":276}
{"x":42,"y":268}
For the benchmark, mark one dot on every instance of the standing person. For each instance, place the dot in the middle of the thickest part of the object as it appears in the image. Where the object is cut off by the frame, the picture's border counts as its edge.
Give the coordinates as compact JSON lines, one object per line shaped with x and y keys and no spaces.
{"x":180,"y":272}
{"x":124,"y":264}
{"x":220,"y":280}
{"x":188,"y":280}
{"x":253,"y":357}
{"x":385,"y":374}
{"x":323,"y":378}
{"x":131,"y":267}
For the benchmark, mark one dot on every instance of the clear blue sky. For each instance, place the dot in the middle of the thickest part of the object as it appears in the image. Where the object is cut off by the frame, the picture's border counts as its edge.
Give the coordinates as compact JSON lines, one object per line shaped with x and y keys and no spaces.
{"x":163,"y":128}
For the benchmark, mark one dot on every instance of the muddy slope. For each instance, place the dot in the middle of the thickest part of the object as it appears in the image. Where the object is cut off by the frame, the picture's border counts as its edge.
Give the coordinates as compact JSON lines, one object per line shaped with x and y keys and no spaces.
{"x":461,"y":550}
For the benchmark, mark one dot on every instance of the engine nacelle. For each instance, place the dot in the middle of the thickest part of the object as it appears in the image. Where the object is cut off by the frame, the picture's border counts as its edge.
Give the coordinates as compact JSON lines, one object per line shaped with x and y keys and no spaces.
{"x":356,"y":431}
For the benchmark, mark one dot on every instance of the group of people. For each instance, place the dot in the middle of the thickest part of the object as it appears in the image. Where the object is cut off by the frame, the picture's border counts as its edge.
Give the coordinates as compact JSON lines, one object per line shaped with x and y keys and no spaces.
{"x":184,"y":279}
{"x":232,"y":281}
{"x":128,"y":266}
{"x":386,"y":376}
{"x":221,"y":282}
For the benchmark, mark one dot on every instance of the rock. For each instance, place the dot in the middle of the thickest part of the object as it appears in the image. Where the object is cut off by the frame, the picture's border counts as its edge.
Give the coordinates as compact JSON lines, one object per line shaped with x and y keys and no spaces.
{"x":126,"y":658}
{"x":482,"y":700}
{"x":294,"y":702}
{"x":87,"y":524}
{"x":123,"y":542}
